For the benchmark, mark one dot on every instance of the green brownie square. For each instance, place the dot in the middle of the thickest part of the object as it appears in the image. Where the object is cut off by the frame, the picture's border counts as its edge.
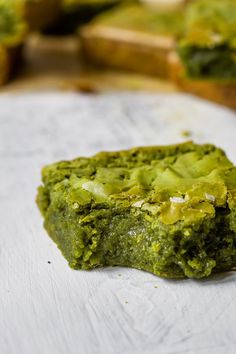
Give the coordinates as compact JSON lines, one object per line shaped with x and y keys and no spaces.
{"x":168,"y":210}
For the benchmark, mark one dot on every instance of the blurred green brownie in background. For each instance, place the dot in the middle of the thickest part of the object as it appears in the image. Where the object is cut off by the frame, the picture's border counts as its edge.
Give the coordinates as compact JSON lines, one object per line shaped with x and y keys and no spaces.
{"x":206,"y":64}
{"x":168,"y":210}
{"x":135,"y":37}
{"x":13,"y":30}
{"x":208,"y":48}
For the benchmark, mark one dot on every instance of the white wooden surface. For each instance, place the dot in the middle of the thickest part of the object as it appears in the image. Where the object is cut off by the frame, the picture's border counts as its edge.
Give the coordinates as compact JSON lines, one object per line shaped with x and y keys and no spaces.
{"x":49,"y":308}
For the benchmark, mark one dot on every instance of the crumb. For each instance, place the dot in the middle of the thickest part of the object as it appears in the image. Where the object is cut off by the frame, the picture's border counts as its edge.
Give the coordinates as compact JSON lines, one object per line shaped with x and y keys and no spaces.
{"x":155,"y":286}
{"x":186,"y":133}
{"x":119,"y":275}
{"x":49,"y":262}
{"x":126,"y":302}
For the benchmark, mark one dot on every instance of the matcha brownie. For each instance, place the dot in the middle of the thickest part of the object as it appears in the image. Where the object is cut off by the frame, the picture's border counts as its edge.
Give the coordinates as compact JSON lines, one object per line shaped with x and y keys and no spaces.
{"x":141,"y":37}
{"x":168,"y":210}
{"x":12,"y":34}
{"x":219,"y":91}
{"x":208,"y":48}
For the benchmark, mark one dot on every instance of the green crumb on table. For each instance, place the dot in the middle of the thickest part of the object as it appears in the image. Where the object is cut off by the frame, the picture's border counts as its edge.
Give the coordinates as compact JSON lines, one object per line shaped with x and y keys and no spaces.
{"x":168,"y":210}
{"x":186,"y":133}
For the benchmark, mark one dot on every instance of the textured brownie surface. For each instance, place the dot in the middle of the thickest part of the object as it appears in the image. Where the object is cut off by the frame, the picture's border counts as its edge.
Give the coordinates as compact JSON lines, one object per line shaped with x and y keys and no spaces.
{"x":167,"y":210}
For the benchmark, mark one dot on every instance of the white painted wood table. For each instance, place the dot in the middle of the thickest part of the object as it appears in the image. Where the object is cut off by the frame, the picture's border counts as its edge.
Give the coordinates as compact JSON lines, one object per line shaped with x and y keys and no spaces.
{"x":47,"y":308}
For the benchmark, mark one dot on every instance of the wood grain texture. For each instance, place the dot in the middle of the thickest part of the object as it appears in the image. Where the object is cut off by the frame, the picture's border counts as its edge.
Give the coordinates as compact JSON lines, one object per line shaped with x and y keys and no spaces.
{"x":49,"y":308}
